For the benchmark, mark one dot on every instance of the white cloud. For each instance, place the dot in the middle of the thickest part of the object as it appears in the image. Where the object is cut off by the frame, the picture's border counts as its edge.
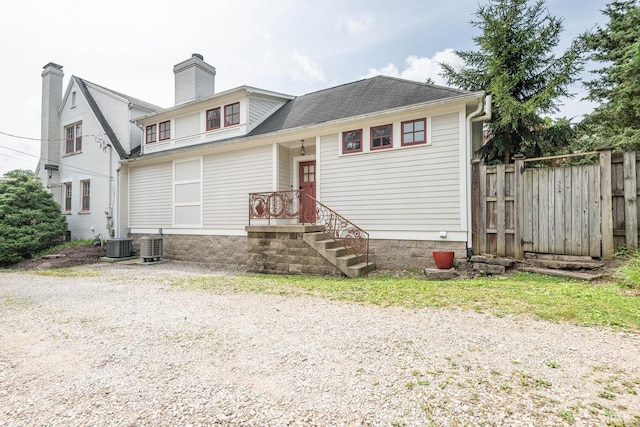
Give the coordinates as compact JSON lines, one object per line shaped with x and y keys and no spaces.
{"x":419,"y":68}
{"x":306,"y":70}
{"x":357,"y":24}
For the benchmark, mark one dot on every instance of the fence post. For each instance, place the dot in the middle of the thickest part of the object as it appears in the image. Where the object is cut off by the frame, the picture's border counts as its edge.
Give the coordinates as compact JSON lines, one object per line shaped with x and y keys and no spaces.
{"x":518,"y":205}
{"x":606,"y":205}
{"x":476,"y":223}
{"x":630,"y":201}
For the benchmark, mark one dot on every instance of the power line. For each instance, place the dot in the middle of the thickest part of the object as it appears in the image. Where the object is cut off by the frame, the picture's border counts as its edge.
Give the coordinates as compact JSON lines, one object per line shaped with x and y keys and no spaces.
{"x":46,"y":140}
{"x":72,"y":168}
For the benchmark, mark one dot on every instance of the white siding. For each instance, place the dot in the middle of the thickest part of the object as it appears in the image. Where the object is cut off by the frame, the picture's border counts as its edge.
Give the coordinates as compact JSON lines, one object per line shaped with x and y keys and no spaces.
{"x":150,"y":196}
{"x":228,"y":179}
{"x":284,"y":169}
{"x":259,"y":109}
{"x":188,"y":126}
{"x":406,"y":189}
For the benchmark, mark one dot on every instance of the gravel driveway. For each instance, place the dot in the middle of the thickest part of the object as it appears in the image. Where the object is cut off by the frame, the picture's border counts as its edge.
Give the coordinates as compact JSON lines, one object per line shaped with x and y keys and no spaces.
{"x":128,"y":348}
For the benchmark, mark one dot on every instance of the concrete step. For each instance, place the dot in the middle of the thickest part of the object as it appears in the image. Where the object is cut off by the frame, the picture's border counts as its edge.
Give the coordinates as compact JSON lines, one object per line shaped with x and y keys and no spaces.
{"x":337,"y":252}
{"x":562,"y":273}
{"x":315,"y":236}
{"x":360,"y":269}
{"x":347,"y":260}
{"x":326,"y":244}
{"x":565,"y":265}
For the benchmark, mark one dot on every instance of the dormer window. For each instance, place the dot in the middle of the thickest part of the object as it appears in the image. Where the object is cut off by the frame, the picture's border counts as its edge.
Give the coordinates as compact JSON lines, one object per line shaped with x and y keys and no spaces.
{"x":151,"y":134}
{"x":165,"y":130}
{"x":232,"y":114}
{"x":213,"y":118}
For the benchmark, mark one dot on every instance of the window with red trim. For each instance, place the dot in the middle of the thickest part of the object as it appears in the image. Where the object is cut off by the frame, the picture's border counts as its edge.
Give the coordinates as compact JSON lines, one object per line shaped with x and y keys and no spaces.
{"x":352,"y":141}
{"x":232,"y":114}
{"x":381,"y":137}
{"x":213,"y":118}
{"x":152,"y":134}
{"x":67,"y":197}
{"x":165,"y":130}
{"x":73,"y":138}
{"x":414,"y":132}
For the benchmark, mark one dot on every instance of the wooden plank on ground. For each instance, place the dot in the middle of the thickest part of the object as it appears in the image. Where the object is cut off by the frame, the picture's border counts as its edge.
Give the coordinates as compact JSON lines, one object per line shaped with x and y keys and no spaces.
{"x":562,"y":273}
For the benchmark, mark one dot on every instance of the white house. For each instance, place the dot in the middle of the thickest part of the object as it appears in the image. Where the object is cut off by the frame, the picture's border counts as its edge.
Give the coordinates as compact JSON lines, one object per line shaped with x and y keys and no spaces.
{"x":390,"y":155}
{"x":85,"y":133}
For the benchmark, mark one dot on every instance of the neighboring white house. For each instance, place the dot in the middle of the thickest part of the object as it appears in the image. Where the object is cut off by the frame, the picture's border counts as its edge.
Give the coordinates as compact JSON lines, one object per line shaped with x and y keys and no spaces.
{"x":391,"y":155}
{"x":85,"y":133}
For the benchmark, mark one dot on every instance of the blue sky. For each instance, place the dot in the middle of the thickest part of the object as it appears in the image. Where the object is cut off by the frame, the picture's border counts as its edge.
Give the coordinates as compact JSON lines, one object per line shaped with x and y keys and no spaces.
{"x":288,"y":46}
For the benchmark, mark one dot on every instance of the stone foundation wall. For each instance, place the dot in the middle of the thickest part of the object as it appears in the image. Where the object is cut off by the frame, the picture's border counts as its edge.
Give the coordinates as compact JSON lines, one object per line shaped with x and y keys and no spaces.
{"x":282,"y":250}
{"x":218,"y":252}
{"x":399,"y":255}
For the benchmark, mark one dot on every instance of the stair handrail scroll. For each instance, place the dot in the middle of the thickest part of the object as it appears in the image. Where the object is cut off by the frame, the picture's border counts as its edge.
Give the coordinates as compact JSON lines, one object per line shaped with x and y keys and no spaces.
{"x":339,"y":228}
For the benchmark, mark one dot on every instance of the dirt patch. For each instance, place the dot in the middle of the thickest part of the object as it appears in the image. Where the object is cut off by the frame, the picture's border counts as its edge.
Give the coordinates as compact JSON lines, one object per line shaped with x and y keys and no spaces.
{"x":66,"y":257}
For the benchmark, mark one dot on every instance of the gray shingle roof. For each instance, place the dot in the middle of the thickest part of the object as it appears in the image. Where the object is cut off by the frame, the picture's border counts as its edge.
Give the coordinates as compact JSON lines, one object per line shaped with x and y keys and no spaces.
{"x":353,"y":99}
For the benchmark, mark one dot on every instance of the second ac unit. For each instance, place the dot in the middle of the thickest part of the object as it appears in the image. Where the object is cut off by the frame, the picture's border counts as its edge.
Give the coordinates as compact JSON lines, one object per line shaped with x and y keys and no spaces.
{"x":150,"y":248}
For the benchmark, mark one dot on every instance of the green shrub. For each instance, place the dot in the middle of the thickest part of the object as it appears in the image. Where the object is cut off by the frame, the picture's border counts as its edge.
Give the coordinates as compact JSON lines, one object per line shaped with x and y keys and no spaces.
{"x":30,"y":220}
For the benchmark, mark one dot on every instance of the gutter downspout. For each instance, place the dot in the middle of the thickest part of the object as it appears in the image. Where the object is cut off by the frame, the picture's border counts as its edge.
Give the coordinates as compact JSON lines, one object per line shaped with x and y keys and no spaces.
{"x":471,"y":118}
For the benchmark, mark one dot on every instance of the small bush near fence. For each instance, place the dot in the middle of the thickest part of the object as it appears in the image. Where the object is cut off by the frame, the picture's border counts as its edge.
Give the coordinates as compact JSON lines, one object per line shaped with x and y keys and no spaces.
{"x":629,"y":271}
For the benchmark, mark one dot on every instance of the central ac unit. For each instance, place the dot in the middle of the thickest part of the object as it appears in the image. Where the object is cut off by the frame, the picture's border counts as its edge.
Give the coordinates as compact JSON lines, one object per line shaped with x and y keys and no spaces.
{"x":119,"y":248}
{"x":150,"y":248}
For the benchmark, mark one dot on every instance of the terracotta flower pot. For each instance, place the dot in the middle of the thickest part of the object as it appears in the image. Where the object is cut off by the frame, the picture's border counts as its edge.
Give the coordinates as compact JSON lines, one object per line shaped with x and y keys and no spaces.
{"x":443,"y":259}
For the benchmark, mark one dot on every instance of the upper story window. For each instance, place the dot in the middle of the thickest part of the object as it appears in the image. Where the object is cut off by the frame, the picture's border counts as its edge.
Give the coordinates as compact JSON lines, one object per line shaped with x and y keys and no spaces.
{"x":67,"y":197}
{"x":73,"y":138}
{"x":86,"y":195}
{"x":151,"y":134}
{"x":213,"y":118}
{"x":414,"y":132}
{"x":232,"y":114}
{"x":73,"y":99}
{"x":381,"y":137}
{"x":165,"y":130}
{"x":352,"y":141}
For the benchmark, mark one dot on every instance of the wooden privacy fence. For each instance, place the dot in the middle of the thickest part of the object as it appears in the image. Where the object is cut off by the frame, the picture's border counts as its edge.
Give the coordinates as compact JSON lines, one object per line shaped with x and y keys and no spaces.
{"x":574,"y":210}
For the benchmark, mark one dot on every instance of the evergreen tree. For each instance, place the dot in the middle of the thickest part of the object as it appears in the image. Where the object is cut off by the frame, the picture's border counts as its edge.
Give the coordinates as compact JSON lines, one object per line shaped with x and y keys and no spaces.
{"x":617,"y":120}
{"x":515,"y":64}
{"x":30,"y":220}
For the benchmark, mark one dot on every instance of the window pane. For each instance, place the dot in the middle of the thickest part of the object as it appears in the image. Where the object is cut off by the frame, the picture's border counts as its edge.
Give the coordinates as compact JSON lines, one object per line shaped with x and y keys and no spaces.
{"x":408,"y":138}
{"x":419,"y":125}
{"x":419,"y":136}
{"x":408,"y":127}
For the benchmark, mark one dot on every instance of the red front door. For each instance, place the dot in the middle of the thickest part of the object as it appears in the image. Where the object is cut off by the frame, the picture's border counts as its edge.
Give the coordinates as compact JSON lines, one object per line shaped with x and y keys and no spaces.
{"x":307,"y":180}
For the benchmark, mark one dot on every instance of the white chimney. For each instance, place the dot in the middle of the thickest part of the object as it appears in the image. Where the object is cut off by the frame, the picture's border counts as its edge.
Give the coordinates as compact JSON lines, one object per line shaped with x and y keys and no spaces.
{"x":194,"y":79}
{"x":50,"y":115}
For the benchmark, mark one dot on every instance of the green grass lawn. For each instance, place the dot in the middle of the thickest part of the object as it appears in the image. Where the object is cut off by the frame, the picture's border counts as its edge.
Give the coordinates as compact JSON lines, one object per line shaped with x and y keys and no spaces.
{"x":543,"y":297}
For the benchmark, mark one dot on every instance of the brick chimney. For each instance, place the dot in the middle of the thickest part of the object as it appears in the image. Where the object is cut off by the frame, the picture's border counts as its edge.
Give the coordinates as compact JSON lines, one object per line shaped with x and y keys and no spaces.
{"x":194,"y":79}
{"x":50,"y":116}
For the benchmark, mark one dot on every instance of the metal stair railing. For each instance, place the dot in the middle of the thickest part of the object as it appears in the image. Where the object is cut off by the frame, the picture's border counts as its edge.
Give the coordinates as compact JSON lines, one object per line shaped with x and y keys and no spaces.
{"x":297,"y":204}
